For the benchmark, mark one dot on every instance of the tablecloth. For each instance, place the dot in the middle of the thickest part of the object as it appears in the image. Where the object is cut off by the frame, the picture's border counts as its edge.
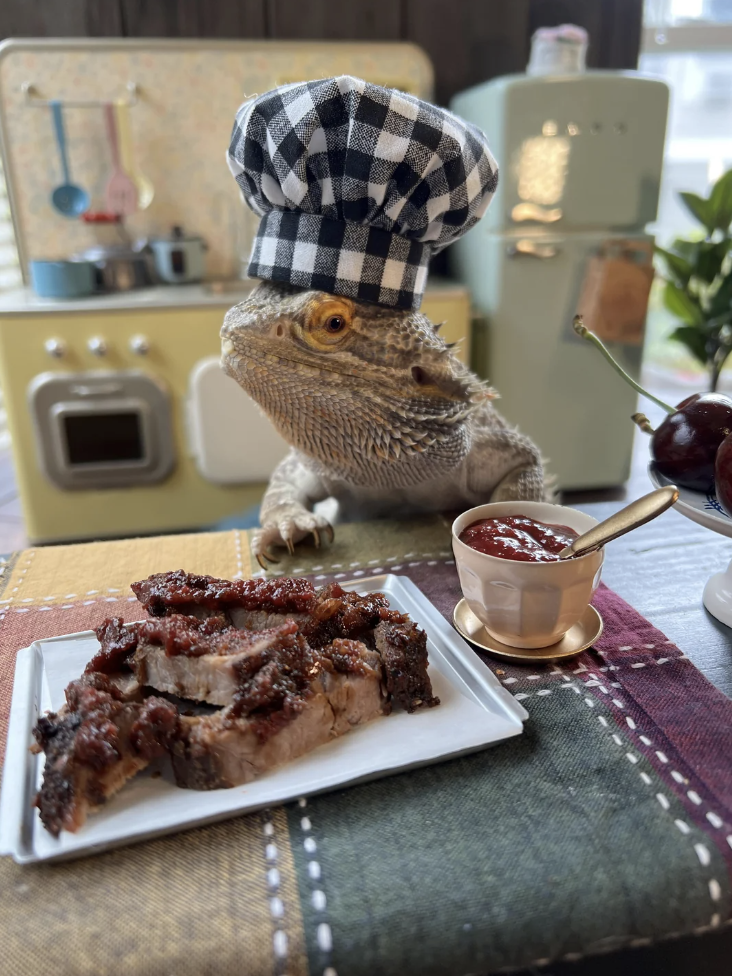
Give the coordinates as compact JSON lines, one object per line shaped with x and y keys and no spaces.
{"x":607,"y":823}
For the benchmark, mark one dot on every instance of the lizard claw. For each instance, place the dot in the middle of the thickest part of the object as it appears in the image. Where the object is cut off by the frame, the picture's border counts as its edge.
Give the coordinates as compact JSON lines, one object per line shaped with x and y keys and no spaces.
{"x":316,"y":533}
{"x":286,"y":527}
{"x":264,"y":557}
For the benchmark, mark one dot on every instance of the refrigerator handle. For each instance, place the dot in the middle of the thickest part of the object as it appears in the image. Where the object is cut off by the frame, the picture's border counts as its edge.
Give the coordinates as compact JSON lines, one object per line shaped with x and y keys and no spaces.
{"x":531,"y":249}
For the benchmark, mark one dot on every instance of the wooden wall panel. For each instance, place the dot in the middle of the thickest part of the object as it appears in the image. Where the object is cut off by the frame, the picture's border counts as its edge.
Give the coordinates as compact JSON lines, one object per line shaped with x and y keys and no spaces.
{"x":225,"y":19}
{"x":469,"y":41}
{"x":622,"y":26}
{"x":60,"y":18}
{"x":365,"y":20}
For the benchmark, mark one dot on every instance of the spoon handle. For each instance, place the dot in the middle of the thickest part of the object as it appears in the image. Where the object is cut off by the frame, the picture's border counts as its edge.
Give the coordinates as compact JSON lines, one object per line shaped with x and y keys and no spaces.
{"x":58,"y":124}
{"x":637,"y":513}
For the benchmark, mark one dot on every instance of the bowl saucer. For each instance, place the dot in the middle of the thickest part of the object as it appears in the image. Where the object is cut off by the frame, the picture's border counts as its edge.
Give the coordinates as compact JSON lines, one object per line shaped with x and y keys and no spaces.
{"x":578,"y":638}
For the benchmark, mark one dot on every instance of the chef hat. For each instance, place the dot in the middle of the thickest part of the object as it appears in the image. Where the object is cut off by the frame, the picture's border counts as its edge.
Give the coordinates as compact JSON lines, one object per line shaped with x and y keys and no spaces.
{"x":357,"y":186}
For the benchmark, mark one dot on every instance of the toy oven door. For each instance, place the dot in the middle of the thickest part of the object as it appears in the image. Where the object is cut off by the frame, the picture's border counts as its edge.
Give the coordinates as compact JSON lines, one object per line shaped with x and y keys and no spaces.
{"x":101,"y":430}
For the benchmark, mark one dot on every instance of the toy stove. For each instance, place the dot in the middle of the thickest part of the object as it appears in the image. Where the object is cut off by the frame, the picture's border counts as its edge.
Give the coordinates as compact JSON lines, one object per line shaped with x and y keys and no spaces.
{"x":121,"y":419}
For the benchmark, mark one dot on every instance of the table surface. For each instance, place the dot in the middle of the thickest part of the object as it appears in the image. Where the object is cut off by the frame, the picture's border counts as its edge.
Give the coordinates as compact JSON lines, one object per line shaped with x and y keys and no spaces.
{"x":661,"y":569}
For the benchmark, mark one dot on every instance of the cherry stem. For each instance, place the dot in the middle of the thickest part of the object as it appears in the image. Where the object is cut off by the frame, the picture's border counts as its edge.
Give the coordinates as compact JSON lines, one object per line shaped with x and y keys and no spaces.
{"x":581,"y":329}
{"x":643,"y":422}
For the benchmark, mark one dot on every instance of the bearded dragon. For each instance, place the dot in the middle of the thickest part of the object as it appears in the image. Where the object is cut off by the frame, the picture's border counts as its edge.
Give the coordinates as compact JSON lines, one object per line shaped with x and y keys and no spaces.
{"x":380,"y":413}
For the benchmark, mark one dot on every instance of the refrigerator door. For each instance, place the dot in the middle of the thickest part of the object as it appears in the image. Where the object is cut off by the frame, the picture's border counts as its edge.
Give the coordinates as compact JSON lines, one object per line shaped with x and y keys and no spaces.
{"x":556,"y":387}
{"x":576,"y":152}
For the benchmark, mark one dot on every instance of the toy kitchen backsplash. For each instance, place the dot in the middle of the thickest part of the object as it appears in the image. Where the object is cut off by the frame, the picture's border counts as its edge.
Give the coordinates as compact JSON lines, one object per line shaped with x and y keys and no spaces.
{"x":119,"y":415}
{"x":180,"y":98}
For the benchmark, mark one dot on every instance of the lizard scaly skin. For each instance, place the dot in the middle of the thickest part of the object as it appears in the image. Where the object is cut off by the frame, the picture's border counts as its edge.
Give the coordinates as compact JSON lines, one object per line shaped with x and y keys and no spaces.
{"x":380,"y":414}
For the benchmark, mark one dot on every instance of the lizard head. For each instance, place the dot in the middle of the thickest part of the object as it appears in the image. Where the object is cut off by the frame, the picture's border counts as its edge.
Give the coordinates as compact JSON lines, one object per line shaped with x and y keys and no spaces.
{"x":349,"y":381}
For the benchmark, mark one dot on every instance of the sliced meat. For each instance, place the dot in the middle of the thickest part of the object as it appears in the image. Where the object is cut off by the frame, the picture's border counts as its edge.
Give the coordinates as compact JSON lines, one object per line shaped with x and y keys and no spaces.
{"x":93,"y":745}
{"x":224,"y":750}
{"x":263,"y":619}
{"x":118,"y":641}
{"x":323,"y":615}
{"x":288,"y":667}
{"x":177,"y":655}
{"x":215,"y":752}
{"x":187,"y":593}
{"x":403,"y":649}
{"x":338,"y":613}
{"x":354,"y":684}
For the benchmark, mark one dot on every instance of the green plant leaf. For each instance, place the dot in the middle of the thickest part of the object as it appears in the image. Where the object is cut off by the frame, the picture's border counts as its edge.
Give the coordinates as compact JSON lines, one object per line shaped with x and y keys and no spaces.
{"x":700,"y":208}
{"x":693,"y":340}
{"x":721,"y":304}
{"x":686,"y":249}
{"x":709,"y":258}
{"x":678,"y":267}
{"x":682,"y":305}
{"x":720,"y":201}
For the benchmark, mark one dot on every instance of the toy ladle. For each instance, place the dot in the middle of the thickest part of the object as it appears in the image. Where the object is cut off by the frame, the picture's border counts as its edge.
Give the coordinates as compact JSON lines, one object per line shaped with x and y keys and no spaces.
{"x":68,"y":199}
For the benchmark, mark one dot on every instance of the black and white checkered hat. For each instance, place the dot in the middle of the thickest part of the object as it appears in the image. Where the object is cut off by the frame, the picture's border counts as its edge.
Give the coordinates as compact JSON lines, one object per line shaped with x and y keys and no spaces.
{"x":357,"y":186}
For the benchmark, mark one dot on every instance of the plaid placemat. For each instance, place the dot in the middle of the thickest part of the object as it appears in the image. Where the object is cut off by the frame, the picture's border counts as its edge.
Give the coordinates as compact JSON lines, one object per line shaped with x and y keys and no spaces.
{"x":607,"y":823}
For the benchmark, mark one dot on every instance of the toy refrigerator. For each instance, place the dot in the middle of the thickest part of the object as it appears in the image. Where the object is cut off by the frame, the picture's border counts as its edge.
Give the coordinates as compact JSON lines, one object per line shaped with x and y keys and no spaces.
{"x":580,"y":161}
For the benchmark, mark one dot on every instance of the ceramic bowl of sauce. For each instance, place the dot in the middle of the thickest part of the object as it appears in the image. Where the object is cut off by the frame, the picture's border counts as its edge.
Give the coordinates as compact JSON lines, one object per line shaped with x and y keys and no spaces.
{"x":511,"y":575}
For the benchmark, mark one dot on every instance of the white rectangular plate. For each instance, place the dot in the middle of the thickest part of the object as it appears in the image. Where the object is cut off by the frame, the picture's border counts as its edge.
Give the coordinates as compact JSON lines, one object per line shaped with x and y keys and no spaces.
{"x":475,"y":711}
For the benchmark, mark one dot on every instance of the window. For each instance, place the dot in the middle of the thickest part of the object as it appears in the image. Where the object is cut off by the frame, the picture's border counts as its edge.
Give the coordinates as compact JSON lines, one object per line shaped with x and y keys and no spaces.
{"x":688,"y":43}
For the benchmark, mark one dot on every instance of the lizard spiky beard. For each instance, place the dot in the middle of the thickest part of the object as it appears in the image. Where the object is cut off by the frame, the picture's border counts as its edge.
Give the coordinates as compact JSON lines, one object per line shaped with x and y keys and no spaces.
{"x":380,"y":413}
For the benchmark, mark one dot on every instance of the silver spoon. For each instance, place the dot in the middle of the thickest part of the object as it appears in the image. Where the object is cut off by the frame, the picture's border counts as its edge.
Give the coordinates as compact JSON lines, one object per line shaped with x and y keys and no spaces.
{"x":637,"y":513}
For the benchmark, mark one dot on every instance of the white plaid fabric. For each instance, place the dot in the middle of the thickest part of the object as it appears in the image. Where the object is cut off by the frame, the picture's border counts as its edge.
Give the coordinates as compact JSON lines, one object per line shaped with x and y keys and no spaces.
{"x":357,"y":186}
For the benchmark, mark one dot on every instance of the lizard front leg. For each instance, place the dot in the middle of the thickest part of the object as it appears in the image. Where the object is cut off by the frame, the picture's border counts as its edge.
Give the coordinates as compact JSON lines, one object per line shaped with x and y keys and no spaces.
{"x":286,"y":514}
{"x":504,"y":465}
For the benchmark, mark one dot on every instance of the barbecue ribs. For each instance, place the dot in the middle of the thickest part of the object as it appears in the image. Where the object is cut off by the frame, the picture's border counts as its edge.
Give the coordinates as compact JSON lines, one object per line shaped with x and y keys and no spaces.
{"x":287,"y":667}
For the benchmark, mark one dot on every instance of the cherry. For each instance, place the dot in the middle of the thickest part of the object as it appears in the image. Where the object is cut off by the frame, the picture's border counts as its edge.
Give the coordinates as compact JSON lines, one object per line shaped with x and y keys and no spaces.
{"x":684,"y":447}
{"x":723,"y":475}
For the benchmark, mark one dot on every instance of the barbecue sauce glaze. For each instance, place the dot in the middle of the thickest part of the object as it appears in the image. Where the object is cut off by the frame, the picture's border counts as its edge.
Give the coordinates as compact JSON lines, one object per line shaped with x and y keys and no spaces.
{"x":518,"y":537}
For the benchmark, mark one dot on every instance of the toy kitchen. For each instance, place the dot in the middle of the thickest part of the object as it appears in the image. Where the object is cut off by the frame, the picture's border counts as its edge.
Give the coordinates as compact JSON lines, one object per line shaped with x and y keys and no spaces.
{"x":133,"y":244}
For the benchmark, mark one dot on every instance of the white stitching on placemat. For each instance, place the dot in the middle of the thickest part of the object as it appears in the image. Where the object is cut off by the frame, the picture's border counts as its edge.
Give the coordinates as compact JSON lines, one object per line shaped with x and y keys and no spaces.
{"x":21,"y":574}
{"x":276,"y":903}
{"x":239,"y":557}
{"x":70,"y":606}
{"x":714,"y":819}
{"x":702,"y":852}
{"x":616,"y":946}
{"x":425,"y":557}
{"x":603,"y":668}
{"x":323,"y":931}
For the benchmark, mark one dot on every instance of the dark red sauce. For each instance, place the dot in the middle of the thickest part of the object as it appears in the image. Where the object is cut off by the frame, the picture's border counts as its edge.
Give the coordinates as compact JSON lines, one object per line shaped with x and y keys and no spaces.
{"x":518,"y":537}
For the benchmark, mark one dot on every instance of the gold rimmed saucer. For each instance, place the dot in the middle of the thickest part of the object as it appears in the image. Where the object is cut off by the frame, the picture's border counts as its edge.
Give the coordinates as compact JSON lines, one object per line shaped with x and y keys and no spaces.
{"x":578,"y":638}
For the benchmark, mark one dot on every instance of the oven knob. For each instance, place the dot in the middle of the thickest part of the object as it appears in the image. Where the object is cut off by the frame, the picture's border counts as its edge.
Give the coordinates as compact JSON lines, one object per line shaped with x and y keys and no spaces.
{"x":140,"y":345}
{"x":55,"y":347}
{"x":97,"y":345}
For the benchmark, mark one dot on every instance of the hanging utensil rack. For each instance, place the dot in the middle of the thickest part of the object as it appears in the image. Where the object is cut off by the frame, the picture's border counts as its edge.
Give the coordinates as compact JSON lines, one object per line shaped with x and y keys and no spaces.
{"x":34,"y":100}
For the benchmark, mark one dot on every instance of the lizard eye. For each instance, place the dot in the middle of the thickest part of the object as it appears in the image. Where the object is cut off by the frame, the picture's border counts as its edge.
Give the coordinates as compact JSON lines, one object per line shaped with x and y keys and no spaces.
{"x":335,"y":323}
{"x":328,"y":322}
